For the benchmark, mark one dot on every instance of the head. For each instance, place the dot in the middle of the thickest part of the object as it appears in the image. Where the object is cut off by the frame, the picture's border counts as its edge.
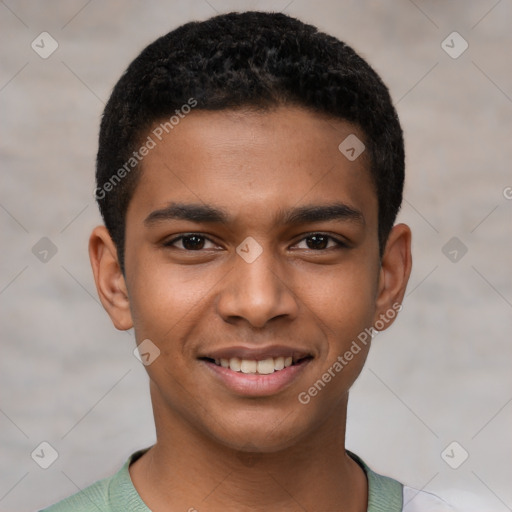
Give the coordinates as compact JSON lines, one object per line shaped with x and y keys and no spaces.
{"x":213,"y":65}
{"x":245,"y":117}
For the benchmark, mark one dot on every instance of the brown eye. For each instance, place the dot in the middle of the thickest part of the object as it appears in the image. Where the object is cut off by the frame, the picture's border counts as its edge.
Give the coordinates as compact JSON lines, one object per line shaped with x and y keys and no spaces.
{"x":320,"y":242}
{"x":191,"y":242}
{"x":317,"y":242}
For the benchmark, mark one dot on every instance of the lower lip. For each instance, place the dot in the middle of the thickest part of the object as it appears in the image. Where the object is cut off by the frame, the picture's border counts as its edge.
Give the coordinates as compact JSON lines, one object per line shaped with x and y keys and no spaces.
{"x":251,"y":384}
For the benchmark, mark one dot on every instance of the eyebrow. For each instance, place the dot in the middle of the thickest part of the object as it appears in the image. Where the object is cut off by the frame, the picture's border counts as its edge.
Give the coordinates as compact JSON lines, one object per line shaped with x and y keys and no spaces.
{"x":204,"y":213}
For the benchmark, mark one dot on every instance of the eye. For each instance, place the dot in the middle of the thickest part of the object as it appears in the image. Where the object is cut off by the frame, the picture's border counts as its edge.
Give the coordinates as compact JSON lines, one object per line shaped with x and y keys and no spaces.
{"x":197,"y":242}
{"x":190,"y":242}
{"x":320,"y":242}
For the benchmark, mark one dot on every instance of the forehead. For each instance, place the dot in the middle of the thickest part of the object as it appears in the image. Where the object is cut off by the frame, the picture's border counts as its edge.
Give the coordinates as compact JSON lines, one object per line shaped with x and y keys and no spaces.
{"x":254,"y":162}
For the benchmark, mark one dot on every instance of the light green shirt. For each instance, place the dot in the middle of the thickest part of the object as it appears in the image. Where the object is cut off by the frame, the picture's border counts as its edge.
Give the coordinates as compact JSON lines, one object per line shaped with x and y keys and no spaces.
{"x":118,"y":494}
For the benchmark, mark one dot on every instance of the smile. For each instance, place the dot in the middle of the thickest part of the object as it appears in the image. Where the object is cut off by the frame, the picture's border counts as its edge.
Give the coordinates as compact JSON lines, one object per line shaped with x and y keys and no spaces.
{"x":256,"y":372}
{"x":260,"y":367}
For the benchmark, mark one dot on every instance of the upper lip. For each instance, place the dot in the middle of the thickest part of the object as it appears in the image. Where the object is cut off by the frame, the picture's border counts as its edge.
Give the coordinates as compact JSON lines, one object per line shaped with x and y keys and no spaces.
{"x":257,"y":354}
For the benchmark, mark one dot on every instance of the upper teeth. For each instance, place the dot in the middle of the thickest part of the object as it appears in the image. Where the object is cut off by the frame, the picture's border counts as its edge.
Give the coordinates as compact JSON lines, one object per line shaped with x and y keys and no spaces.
{"x":263,"y":367}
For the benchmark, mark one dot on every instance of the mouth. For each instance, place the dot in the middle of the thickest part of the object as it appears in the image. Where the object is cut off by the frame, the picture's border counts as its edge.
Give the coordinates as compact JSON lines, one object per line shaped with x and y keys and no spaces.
{"x":261,"y":372}
{"x":258,"y":366}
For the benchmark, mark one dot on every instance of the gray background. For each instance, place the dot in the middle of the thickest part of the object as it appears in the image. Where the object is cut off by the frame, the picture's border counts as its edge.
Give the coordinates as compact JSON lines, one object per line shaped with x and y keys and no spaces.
{"x":440,"y":374}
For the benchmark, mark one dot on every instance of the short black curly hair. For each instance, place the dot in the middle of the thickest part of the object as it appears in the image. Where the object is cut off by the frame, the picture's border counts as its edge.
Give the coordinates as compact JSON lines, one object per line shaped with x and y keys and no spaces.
{"x":245,"y":59}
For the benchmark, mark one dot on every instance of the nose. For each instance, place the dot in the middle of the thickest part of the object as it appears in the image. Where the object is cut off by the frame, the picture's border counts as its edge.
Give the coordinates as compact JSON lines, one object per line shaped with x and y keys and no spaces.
{"x":257,"y":292}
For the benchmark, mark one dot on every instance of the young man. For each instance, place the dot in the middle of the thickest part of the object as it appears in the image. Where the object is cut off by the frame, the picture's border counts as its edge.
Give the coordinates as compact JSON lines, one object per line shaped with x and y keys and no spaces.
{"x":249,"y":173}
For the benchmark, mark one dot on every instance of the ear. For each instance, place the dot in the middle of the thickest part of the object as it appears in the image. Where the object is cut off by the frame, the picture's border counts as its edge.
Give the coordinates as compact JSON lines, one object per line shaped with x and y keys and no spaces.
{"x":109,"y":279}
{"x":396,"y":264}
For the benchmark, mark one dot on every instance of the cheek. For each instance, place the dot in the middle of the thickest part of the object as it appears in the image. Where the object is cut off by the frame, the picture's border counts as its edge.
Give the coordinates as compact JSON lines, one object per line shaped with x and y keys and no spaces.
{"x":163,"y":310}
{"x":161,"y":299}
{"x":345,"y":305}
{"x":345,"y":300}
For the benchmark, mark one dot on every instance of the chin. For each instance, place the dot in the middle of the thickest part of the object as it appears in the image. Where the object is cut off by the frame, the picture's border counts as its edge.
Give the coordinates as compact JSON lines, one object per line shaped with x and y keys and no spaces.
{"x":270,"y":435}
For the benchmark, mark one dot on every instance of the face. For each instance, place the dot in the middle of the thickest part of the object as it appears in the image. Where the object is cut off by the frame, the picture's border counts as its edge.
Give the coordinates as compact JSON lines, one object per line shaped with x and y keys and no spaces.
{"x":252,"y":264}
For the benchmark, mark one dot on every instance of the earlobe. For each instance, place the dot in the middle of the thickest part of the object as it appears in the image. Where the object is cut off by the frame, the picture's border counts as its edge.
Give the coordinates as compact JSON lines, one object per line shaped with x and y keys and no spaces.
{"x":395,"y":270}
{"x":109,"y":279}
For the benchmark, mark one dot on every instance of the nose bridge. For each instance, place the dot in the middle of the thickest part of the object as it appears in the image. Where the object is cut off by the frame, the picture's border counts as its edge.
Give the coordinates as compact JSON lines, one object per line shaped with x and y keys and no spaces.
{"x":255,"y":288}
{"x":259,"y":276}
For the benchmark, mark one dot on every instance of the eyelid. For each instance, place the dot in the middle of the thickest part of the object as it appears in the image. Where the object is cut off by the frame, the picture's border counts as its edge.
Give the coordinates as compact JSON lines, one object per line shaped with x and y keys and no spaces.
{"x":169,"y":243}
{"x":338,"y":240}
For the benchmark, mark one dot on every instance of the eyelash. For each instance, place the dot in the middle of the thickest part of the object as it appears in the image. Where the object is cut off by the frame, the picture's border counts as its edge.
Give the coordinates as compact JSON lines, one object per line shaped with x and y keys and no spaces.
{"x":339,"y":244}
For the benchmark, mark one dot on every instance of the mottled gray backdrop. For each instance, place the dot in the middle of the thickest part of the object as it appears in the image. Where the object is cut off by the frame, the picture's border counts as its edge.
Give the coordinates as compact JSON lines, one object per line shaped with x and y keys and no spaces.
{"x":437,"y":385}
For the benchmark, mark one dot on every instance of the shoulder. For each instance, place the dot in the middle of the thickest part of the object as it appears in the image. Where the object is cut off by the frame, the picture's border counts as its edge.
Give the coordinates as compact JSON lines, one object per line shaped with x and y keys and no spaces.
{"x":112,"y":494}
{"x":390,"y":495}
{"x":421,"y":501}
{"x":91,"y":499}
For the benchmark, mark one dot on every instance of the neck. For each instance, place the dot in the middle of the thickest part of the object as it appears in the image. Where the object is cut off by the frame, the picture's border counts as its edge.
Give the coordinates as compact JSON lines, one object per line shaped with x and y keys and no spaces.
{"x":189,"y":470}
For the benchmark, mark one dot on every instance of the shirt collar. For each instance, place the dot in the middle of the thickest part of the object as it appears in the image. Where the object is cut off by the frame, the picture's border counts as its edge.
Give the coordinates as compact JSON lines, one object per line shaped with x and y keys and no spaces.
{"x":384,"y":494}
